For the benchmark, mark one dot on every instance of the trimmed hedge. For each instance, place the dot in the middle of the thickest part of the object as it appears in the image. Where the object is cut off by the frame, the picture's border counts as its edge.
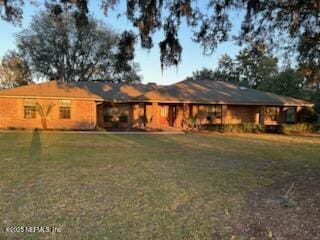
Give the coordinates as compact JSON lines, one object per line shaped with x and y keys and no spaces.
{"x":300,"y":128}
{"x":236,"y":128}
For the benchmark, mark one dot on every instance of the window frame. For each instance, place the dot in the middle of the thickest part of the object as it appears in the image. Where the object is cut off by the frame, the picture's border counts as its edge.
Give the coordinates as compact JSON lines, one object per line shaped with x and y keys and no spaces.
{"x":107,"y":114}
{"x":293,"y":109}
{"x":272,"y":113}
{"x":29,"y":108}
{"x":117,"y":112}
{"x":64,"y":109}
{"x":211,"y":111}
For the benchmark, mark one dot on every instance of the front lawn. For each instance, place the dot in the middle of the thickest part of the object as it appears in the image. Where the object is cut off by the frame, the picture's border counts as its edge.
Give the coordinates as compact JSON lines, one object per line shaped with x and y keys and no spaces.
{"x":192,"y":186}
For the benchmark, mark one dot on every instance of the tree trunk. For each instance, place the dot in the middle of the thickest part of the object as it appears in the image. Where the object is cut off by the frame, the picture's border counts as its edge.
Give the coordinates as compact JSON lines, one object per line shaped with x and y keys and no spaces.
{"x":44,"y":123}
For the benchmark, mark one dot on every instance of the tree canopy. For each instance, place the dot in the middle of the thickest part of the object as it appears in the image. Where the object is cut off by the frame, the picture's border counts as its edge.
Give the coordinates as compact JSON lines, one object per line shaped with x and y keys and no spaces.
{"x":14,"y":71}
{"x":290,"y":24}
{"x":55,"y":49}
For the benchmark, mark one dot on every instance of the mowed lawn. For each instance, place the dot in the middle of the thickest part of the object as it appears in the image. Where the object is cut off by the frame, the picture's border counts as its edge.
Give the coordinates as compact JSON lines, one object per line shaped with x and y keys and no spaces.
{"x":96,"y":186}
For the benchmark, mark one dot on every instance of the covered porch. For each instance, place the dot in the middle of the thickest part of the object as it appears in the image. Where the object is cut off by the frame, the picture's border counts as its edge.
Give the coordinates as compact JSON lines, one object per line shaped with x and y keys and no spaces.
{"x":157,"y":115}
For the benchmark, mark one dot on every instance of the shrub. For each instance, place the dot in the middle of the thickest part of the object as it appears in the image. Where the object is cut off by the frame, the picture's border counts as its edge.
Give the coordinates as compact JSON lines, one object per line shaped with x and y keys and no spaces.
{"x":228,"y":128}
{"x":261,"y":128}
{"x":248,"y":127}
{"x":192,"y":122}
{"x":307,"y":115}
{"x":236,"y":128}
{"x":316,"y":128}
{"x":297,"y":128}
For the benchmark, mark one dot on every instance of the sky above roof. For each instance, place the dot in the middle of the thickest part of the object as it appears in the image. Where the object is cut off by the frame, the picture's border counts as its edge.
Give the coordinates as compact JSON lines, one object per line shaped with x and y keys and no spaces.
{"x":192,"y":57}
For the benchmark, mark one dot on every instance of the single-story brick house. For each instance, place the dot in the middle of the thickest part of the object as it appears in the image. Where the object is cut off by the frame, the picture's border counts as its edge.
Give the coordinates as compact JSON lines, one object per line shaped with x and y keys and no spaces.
{"x":87,"y":105}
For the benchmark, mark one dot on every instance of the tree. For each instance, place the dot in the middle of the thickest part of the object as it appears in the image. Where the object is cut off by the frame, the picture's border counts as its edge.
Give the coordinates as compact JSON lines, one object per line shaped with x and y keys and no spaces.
{"x":203,"y":74}
{"x":254,"y":67}
{"x":247,"y":69}
{"x":227,"y":70}
{"x":298,"y":21}
{"x":288,"y":82}
{"x":44,"y":111}
{"x":56,"y":49}
{"x":14,"y":71}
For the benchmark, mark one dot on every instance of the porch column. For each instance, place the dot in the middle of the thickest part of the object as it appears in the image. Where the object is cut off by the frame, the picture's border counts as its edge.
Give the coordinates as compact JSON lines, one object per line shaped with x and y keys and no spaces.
{"x":261,"y":114}
{"x":224,"y":109}
{"x":282,"y":115}
{"x":155,"y":115}
{"x":297,"y":110}
{"x":98,"y":114}
{"x":186,"y":115}
{"x":142,"y":115}
{"x":95,"y":105}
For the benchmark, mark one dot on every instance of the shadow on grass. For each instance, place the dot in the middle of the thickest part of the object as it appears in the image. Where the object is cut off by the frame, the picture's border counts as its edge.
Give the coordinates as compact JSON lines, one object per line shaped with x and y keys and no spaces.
{"x":35,"y":150}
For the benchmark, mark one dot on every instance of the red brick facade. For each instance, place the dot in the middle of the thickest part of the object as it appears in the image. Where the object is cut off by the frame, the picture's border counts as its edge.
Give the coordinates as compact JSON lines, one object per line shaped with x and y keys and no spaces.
{"x":87,"y":105}
{"x":88,"y":114}
{"x":83,"y":114}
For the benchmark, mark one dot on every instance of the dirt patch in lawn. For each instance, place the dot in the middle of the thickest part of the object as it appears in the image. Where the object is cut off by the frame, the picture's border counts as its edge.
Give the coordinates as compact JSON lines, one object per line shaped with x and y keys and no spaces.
{"x":287,"y":209}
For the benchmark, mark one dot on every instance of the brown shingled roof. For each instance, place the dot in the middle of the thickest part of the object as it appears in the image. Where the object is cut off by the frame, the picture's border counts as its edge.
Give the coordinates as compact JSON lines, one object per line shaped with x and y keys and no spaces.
{"x":84,"y":90}
{"x":50,"y":89}
{"x":205,"y":91}
{"x":189,"y":91}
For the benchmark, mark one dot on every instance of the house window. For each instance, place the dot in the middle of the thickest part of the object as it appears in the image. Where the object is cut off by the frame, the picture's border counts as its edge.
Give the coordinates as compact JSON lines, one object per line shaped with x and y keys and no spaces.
{"x":213,"y":112}
{"x":29,"y":108}
{"x":119,"y":112}
{"x":123,"y":111}
{"x":65,"y":109}
{"x":272,"y":113}
{"x":291,"y":114}
{"x":107,"y":114}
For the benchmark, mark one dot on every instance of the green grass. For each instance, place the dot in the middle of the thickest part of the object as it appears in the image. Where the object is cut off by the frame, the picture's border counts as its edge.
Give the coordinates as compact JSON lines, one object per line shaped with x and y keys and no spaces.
{"x":96,"y":186}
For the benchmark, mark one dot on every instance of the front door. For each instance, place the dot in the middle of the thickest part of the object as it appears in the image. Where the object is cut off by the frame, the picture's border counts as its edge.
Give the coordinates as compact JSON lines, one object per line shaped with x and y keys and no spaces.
{"x":172,"y":114}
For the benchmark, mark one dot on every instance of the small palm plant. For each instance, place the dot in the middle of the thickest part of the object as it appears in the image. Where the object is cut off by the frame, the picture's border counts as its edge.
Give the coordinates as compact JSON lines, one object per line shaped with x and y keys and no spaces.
{"x":44,"y":111}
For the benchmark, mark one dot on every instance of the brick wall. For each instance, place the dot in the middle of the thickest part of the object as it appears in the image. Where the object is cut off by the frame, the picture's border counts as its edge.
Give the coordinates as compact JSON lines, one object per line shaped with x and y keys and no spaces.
{"x":83,"y":114}
{"x":231,"y":114}
{"x":234,"y":114}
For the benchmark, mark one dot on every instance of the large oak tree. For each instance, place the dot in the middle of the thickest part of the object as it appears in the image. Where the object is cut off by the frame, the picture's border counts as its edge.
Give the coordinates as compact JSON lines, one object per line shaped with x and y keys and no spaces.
{"x":56,"y":48}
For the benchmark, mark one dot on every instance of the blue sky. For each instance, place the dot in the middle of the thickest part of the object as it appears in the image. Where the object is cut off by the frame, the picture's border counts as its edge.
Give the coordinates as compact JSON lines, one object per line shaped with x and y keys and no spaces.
{"x":149,"y":60}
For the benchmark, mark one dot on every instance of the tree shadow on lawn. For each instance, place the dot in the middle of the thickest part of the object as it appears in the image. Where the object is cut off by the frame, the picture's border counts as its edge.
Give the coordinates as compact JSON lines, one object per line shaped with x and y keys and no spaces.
{"x":35,"y":150}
